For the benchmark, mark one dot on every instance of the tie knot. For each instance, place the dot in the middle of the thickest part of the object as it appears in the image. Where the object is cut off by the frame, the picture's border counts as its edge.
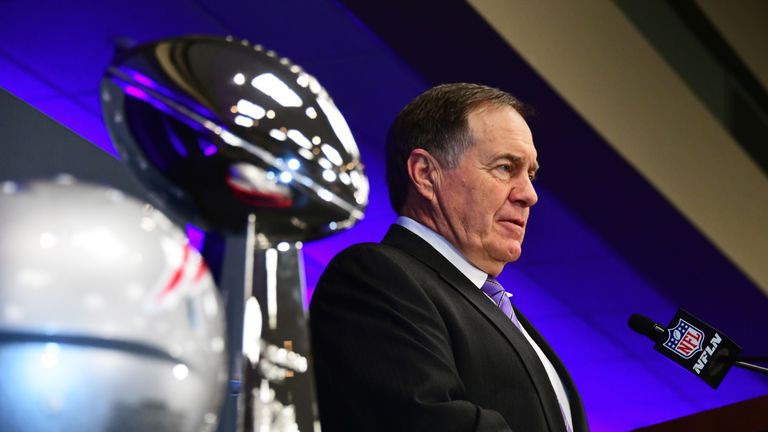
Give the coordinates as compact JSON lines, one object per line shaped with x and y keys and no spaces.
{"x":492,"y":287}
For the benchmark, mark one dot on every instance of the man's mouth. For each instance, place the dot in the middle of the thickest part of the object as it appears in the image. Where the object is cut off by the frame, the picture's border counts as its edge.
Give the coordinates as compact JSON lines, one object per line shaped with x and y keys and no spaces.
{"x":513,"y":221}
{"x":513,"y":224}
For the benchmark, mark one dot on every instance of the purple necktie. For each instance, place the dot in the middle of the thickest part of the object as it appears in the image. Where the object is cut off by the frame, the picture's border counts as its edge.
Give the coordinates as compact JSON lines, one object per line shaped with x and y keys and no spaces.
{"x":496,"y":292}
{"x":493,"y":289}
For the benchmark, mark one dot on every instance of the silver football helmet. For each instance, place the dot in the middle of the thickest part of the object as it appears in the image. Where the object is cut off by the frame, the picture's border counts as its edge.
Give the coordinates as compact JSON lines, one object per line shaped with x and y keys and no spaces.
{"x":109,"y":320}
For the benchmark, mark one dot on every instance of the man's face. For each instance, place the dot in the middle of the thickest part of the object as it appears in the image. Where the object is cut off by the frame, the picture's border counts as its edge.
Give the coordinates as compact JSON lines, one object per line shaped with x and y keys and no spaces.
{"x":486,"y":199}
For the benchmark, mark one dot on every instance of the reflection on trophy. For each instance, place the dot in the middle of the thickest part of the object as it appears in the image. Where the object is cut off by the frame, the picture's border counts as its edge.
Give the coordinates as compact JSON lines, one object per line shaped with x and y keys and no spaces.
{"x":110,"y":320}
{"x":240,"y":141}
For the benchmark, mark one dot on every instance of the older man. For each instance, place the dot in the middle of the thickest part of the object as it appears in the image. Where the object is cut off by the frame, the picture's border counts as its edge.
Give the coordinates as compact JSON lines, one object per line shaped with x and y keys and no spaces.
{"x":414,"y":333}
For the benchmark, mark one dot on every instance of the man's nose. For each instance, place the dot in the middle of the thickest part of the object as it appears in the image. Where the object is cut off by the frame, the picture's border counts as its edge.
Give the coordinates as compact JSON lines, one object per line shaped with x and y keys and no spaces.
{"x":524,"y":193}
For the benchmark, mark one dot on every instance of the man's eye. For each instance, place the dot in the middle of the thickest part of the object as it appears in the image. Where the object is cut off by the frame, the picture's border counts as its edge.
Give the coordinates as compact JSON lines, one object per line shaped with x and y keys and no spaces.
{"x":532,"y":177}
{"x":505,"y":168}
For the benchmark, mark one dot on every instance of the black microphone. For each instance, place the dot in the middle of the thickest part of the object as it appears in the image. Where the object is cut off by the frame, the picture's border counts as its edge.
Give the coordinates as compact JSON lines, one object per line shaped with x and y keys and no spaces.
{"x":690,"y":342}
{"x":646,"y":327}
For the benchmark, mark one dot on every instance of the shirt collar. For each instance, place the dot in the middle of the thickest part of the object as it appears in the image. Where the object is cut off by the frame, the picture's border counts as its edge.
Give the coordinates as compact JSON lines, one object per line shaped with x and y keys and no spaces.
{"x":446,"y":249}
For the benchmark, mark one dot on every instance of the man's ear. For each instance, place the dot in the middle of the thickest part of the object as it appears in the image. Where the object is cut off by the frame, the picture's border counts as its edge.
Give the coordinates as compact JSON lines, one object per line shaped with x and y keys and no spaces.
{"x":424,"y":171}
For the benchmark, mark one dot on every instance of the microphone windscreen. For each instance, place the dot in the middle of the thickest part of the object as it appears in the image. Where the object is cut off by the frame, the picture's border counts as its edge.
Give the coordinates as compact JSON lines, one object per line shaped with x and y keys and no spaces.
{"x":645,"y":326}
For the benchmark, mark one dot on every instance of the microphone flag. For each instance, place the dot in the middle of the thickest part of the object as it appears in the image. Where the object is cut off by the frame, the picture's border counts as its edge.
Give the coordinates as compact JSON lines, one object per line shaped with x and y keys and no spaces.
{"x":698,"y":347}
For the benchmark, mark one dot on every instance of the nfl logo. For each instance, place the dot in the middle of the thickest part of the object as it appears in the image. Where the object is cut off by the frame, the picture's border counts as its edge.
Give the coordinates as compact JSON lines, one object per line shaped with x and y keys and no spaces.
{"x":684,"y":339}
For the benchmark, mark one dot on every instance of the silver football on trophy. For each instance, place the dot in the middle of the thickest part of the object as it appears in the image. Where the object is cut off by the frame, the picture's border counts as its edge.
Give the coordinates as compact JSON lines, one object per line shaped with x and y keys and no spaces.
{"x":109,"y":320}
{"x":219,"y":129}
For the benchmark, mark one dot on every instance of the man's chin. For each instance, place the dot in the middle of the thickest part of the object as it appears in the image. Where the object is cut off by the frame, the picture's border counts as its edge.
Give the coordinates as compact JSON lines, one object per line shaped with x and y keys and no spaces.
{"x":511,"y":253}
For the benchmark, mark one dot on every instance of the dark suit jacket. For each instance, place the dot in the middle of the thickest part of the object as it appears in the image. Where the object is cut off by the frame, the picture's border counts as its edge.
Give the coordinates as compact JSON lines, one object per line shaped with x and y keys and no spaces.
{"x":403,"y":341}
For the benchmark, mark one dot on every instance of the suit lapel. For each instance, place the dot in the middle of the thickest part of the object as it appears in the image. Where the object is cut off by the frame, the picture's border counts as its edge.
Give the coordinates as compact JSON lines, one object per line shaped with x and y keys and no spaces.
{"x":578,"y":415}
{"x":404,"y":239}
